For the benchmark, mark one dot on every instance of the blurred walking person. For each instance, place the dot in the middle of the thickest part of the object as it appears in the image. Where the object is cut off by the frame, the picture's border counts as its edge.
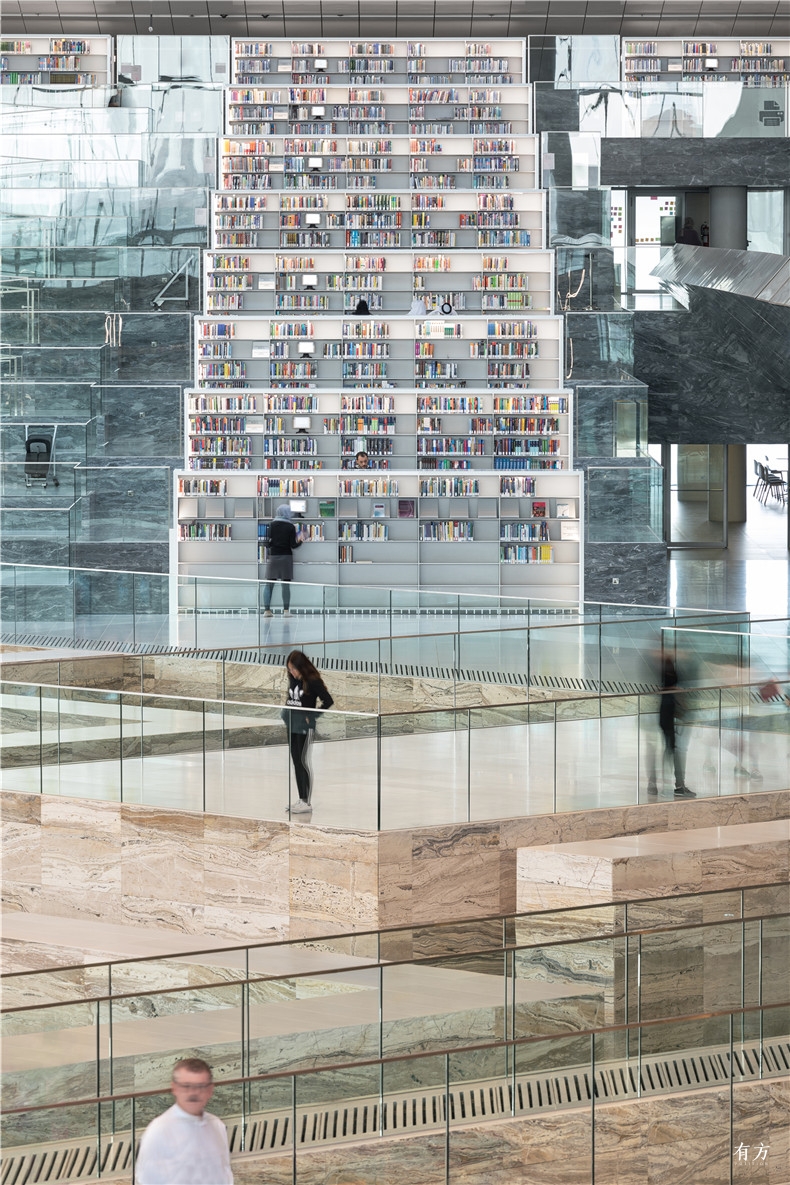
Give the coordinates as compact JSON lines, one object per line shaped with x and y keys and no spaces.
{"x":186,"y":1145}
{"x":675,"y":738}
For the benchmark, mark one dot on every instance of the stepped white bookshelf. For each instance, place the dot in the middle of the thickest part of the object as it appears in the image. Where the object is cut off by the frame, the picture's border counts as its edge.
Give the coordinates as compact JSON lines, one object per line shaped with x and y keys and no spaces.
{"x":430,"y":62}
{"x":752,"y":61}
{"x":401,"y":174}
{"x":56,"y":61}
{"x":498,"y":350}
{"x":490,"y":532}
{"x":310,"y":282}
{"x":248,"y":219}
{"x":427,"y":429}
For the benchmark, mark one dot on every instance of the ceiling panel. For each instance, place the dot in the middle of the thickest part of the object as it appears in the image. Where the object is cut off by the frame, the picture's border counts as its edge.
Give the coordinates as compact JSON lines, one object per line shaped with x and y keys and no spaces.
{"x":341,"y":18}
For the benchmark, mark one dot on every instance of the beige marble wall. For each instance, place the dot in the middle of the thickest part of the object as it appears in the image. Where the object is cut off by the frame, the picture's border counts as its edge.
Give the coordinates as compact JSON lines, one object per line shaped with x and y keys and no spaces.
{"x":237,"y":878}
{"x":705,"y":860}
{"x":684,"y":1138}
{"x":234,"y":879}
{"x":469,"y":870}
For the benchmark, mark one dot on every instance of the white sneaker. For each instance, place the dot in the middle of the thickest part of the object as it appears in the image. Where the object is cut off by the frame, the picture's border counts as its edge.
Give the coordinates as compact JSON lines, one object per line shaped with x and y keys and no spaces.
{"x":268,"y":613}
{"x":286,"y":612}
{"x":300,"y":807}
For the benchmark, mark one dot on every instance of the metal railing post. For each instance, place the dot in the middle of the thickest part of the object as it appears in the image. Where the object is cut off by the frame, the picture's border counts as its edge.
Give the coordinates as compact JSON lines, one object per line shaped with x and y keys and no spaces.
{"x":378,"y":770}
{"x":447,"y":1119}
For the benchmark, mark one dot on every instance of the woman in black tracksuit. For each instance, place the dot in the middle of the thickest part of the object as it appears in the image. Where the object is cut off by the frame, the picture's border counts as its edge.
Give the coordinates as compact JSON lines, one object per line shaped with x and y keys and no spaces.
{"x":306,"y":689}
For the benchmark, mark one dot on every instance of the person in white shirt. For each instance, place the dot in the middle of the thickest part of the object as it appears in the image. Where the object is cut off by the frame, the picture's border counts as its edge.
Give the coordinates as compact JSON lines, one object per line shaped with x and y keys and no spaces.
{"x":186,"y":1145}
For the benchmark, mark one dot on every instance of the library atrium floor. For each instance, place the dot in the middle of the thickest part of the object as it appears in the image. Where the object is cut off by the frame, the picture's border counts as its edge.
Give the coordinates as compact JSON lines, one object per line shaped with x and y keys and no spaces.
{"x":441,"y":778}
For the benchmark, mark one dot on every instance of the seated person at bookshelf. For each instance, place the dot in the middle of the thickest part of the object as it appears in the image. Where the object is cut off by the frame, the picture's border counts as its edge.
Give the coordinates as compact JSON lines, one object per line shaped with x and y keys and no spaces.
{"x":282,"y":541}
{"x":418,"y":307}
{"x":362,"y":461}
{"x":689,"y":234}
{"x":362,"y":308}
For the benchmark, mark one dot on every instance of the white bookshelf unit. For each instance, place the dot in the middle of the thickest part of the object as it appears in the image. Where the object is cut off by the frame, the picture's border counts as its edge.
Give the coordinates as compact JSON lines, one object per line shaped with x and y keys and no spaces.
{"x":750,"y":61}
{"x":397,"y":218}
{"x":435,"y":429}
{"x":495,"y":351}
{"x":56,"y":61}
{"x":402,"y":175}
{"x":481,"y":531}
{"x":488,"y":280}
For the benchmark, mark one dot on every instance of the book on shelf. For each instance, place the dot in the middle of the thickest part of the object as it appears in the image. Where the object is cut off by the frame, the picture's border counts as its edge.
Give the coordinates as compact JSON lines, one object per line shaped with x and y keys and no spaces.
{"x":379,"y":510}
{"x":564,"y":510}
{"x":538,"y":509}
{"x":569,"y":528}
{"x":206,"y":486}
{"x":407,"y":508}
{"x":525,"y":553}
{"x":327,"y":508}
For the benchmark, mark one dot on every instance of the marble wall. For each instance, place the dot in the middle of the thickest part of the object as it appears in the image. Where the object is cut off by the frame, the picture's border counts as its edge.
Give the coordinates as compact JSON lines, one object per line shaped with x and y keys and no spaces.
{"x":241,"y":879}
{"x":469,"y":870}
{"x":685,"y":163}
{"x":745,"y":396}
{"x":233,"y":879}
{"x":641,"y":570}
{"x":689,"y":1138}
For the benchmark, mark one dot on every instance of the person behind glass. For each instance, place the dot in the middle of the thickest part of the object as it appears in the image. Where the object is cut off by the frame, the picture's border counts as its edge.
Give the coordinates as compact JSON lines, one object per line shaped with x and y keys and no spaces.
{"x":362,"y":308}
{"x":282,"y":542}
{"x":362,"y":461}
{"x":186,"y":1145}
{"x":689,"y":234}
{"x":675,"y":740}
{"x":306,"y":690}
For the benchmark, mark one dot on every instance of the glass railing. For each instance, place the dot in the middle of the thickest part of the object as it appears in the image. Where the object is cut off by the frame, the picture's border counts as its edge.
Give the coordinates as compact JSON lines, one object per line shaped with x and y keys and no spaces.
{"x":80,"y":604}
{"x":164,"y":215}
{"x":496,"y":1007}
{"x":413,"y":765}
{"x":567,"y":1093}
{"x":42,"y":401}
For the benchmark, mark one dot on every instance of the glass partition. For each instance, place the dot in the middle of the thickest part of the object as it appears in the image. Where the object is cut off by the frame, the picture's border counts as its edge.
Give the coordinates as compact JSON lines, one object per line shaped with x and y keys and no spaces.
{"x":686,"y":109}
{"x":610,"y":489}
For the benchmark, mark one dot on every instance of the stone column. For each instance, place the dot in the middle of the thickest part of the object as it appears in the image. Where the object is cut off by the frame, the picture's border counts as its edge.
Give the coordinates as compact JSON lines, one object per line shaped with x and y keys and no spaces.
{"x":728,"y":216}
{"x":736,"y":488}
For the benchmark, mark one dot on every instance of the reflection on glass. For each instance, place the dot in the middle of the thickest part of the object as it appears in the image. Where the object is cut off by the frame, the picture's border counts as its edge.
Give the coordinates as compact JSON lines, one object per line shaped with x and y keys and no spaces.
{"x":765,"y":220}
{"x":672,"y":110}
{"x":181,"y":59}
{"x":624,"y":503}
{"x":610,"y":111}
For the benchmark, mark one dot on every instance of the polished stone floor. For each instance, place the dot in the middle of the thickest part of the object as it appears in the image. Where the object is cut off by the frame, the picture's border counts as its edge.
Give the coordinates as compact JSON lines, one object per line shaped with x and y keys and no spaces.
{"x":752,"y":573}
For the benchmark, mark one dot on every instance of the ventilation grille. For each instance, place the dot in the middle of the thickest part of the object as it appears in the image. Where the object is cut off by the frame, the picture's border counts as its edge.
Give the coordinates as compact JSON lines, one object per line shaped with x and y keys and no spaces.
{"x":401,"y":1114}
{"x":565,"y":683}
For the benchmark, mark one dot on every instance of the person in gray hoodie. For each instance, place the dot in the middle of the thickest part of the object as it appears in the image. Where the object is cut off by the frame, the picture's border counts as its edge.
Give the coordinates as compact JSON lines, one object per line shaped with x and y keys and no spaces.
{"x":281,"y":544}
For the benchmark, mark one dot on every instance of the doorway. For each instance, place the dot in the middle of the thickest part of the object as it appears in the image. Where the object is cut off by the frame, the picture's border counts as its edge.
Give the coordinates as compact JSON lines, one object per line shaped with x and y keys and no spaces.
{"x":766,"y":529}
{"x":654,"y":219}
{"x":696,"y":502}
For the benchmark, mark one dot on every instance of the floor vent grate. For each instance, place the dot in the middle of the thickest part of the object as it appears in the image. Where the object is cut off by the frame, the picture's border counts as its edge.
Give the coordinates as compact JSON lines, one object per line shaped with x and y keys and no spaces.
{"x":395,"y":1114}
{"x":563,"y":683}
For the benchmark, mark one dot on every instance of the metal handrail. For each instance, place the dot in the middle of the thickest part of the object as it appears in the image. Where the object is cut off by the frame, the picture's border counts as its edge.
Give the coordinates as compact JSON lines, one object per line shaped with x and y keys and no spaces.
{"x":393,"y":1059}
{"x":505,"y":919}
